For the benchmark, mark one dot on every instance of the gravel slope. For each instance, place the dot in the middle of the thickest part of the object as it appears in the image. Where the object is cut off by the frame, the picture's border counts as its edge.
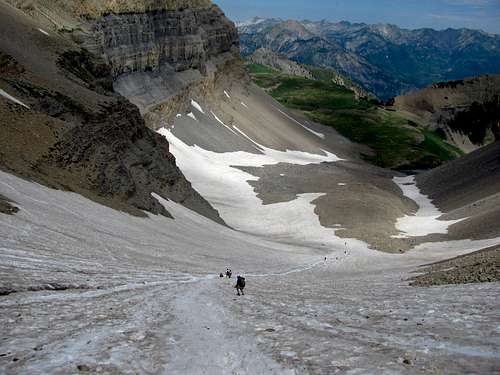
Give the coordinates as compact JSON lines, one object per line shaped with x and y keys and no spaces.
{"x":478,"y":267}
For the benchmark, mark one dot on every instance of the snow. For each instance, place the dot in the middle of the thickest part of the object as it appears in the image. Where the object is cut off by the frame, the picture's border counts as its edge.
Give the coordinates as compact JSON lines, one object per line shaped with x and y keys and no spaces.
{"x":253,"y":21}
{"x":290,"y":222}
{"x":244,"y":105}
{"x":191,"y":114}
{"x":222,"y":123}
{"x":153,"y":295}
{"x":317,"y":134}
{"x":426,"y":220}
{"x":197,"y":106}
{"x":144,"y":296}
{"x":10,"y":97}
{"x":341,"y":184}
{"x":43,"y":32}
{"x":225,"y":93}
{"x":204,"y":328}
{"x":178,"y":115}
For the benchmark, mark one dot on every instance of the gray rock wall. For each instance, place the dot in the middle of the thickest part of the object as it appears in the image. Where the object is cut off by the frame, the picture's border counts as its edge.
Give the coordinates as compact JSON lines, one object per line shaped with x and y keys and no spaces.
{"x":164,"y":39}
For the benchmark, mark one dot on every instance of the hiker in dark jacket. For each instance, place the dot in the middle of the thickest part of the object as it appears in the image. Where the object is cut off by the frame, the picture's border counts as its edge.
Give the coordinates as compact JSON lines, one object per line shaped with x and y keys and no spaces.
{"x":240,"y":285}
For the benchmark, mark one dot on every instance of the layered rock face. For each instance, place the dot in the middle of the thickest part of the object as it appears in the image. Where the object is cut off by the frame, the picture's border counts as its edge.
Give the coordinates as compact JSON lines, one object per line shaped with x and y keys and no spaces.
{"x":163,"y":39}
{"x":166,"y":55}
{"x":94,"y":9}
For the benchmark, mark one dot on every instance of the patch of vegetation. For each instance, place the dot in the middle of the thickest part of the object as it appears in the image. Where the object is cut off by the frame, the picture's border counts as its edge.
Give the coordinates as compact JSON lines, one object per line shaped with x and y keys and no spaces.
{"x":397,"y":141}
{"x":310,"y":95}
{"x":261,"y":69}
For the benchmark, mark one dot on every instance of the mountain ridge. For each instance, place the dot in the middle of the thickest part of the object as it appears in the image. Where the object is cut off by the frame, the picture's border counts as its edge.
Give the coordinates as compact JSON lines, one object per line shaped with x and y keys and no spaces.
{"x":384,"y":59}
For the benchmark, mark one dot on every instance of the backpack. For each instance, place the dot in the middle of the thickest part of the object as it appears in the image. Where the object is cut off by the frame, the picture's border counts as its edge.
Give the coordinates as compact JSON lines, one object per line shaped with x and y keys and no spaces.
{"x":241,"y":282}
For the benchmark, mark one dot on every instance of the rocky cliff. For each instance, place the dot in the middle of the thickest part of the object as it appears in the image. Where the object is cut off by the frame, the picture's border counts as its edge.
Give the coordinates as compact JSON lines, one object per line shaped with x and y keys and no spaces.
{"x":160,"y":51}
{"x":161,"y":58}
{"x":82,"y":135}
{"x":158,"y":40}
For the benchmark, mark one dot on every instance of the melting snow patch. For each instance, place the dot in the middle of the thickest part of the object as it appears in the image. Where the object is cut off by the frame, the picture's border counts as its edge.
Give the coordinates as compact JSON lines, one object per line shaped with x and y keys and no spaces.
{"x":10,"y":97}
{"x":191,"y":114}
{"x":225,"y":93}
{"x":43,"y":32}
{"x":342,"y":184}
{"x":178,"y":115}
{"x":291,"y":222}
{"x":426,"y":219}
{"x":197,"y":106}
{"x":244,"y":105}
{"x":317,"y":134}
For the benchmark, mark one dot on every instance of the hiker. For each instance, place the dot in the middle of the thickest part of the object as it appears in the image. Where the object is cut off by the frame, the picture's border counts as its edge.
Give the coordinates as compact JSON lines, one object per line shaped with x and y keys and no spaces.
{"x":229,"y":273}
{"x":221,"y":275}
{"x":240,"y":285}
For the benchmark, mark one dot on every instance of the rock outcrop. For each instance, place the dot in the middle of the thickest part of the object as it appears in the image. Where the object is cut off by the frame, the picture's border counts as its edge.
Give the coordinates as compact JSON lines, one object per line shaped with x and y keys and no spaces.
{"x":73,"y":131}
{"x":157,"y":40}
{"x":164,"y":56}
{"x":468,"y":110}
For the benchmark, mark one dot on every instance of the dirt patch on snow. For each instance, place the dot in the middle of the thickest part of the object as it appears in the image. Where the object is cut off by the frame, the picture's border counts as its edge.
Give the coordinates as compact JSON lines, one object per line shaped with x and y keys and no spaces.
{"x":6,"y":207}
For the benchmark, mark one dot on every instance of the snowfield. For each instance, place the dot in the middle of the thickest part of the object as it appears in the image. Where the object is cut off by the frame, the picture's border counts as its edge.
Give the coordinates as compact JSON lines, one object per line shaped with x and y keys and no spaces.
{"x":97,"y":290}
{"x":426,"y":219}
{"x":214,"y":174}
{"x":120,"y":294}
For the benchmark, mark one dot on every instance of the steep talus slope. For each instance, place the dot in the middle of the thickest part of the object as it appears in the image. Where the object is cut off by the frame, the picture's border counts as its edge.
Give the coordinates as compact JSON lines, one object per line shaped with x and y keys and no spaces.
{"x":464,"y":181}
{"x":73,"y":131}
{"x":384,"y":59}
{"x":468,"y":110}
{"x":468,"y":188}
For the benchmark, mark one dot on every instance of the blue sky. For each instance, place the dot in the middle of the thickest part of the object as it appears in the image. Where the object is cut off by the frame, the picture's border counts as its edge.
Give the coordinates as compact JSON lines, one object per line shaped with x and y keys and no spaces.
{"x":438,"y":14}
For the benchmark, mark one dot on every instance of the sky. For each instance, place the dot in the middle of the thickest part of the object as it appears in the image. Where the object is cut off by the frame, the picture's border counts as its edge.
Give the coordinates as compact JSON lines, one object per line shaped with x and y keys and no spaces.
{"x":412,"y":14}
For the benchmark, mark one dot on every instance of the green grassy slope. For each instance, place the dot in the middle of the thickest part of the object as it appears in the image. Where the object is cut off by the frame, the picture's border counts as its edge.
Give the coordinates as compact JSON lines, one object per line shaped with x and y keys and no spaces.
{"x":397,"y":142}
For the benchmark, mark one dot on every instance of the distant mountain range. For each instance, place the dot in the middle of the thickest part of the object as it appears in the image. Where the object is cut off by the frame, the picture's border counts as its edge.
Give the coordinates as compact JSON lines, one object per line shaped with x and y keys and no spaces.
{"x":384,"y":59}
